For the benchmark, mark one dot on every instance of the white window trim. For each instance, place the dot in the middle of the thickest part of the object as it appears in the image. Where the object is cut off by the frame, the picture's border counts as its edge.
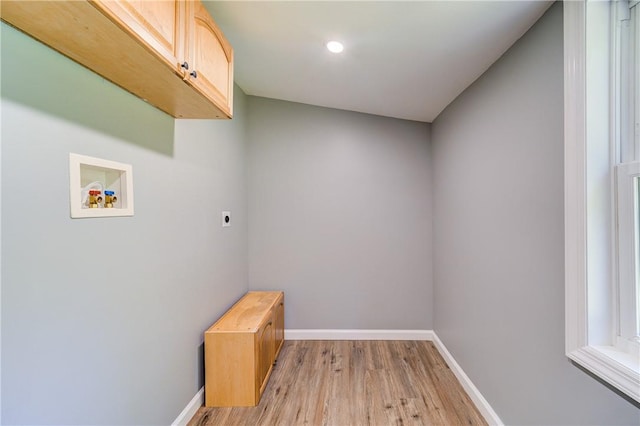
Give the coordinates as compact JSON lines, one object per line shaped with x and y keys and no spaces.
{"x":618,"y":368}
{"x":626,"y":176}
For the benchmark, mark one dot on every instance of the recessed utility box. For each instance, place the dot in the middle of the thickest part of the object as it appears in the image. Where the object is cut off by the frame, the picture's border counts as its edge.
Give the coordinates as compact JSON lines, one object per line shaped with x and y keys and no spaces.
{"x":99,"y":188}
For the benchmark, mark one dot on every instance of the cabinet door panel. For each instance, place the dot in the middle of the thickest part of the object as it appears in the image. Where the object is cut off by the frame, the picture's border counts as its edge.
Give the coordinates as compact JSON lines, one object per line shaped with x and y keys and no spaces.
{"x":266,"y":349}
{"x":159,"y":24}
{"x":211,"y":57}
{"x":279,"y":325}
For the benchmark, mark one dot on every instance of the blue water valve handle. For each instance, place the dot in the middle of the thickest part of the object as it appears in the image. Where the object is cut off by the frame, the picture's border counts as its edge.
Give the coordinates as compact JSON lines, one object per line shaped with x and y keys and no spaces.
{"x":110,"y":198}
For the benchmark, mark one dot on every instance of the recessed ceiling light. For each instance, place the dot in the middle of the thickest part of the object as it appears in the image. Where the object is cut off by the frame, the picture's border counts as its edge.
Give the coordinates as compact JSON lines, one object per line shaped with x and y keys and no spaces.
{"x":335,"y":46}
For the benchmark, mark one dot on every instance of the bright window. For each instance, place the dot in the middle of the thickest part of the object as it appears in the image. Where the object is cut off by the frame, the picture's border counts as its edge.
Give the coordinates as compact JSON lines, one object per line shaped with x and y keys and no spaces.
{"x":628,"y":212}
{"x":626,"y":147}
{"x":602,"y":195}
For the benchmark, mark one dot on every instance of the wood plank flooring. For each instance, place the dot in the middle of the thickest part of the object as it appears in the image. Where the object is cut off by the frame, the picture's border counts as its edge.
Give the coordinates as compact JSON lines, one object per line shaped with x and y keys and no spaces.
{"x":346,"y":383}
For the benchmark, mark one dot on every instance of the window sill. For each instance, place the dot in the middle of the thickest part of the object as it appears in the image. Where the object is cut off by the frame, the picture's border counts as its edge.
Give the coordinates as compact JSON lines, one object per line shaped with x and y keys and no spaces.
{"x":619,"y":369}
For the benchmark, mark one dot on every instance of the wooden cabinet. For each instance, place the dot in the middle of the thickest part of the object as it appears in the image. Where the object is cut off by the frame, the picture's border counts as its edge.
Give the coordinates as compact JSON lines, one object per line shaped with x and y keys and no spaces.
{"x":210,"y":57}
{"x":241,"y":348}
{"x":150,"y":48}
{"x":159,"y":24}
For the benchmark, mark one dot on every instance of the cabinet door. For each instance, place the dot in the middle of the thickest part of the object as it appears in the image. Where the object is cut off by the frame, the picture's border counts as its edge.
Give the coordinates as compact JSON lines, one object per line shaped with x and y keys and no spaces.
{"x":210,"y":58}
{"x":266,"y":351}
{"x":279,"y":325}
{"x":159,"y":24}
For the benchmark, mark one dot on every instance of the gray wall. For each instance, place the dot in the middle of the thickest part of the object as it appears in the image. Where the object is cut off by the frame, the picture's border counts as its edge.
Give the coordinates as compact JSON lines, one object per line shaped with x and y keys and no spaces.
{"x":498,"y":240}
{"x":340,"y":216}
{"x":102,"y":319}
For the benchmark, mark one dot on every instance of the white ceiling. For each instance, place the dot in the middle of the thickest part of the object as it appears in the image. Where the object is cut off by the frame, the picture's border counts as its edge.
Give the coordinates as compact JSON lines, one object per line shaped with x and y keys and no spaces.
{"x":401,"y":59}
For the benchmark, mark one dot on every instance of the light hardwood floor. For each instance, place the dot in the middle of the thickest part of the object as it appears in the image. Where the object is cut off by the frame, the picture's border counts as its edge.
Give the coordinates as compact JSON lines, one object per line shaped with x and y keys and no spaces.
{"x":346,"y":383}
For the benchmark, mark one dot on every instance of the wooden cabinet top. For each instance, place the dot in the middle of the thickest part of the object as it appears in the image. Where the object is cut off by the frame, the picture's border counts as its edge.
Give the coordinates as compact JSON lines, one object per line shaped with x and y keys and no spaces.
{"x":248,"y":313}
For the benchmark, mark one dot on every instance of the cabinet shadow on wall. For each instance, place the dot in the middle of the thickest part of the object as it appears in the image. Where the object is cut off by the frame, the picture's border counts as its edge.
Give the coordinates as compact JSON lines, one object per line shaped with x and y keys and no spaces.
{"x":36,"y":76}
{"x":200,"y":363}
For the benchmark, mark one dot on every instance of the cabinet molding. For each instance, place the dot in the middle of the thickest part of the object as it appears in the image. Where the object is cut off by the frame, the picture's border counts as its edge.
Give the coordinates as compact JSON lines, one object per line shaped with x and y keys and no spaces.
{"x":115,"y":40}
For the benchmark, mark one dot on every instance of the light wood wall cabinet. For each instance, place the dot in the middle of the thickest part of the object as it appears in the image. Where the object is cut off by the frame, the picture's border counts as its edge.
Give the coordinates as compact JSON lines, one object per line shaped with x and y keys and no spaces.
{"x":241,"y":348}
{"x":210,"y":57}
{"x":169,"y":53}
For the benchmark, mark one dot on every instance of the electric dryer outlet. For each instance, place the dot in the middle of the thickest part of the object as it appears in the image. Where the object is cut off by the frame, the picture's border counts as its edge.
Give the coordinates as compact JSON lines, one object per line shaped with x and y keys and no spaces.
{"x":226,"y":219}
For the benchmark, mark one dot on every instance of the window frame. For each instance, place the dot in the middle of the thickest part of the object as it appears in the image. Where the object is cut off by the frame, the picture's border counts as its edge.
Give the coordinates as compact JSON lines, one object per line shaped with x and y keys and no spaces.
{"x":591,"y":293}
{"x":627,"y":177}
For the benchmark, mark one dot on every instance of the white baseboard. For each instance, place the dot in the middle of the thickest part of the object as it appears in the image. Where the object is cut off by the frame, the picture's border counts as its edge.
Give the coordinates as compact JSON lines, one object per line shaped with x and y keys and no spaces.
{"x":190,"y":410}
{"x":429,"y":335}
{"x":358,"y":335}
{"x":481,"y":403}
